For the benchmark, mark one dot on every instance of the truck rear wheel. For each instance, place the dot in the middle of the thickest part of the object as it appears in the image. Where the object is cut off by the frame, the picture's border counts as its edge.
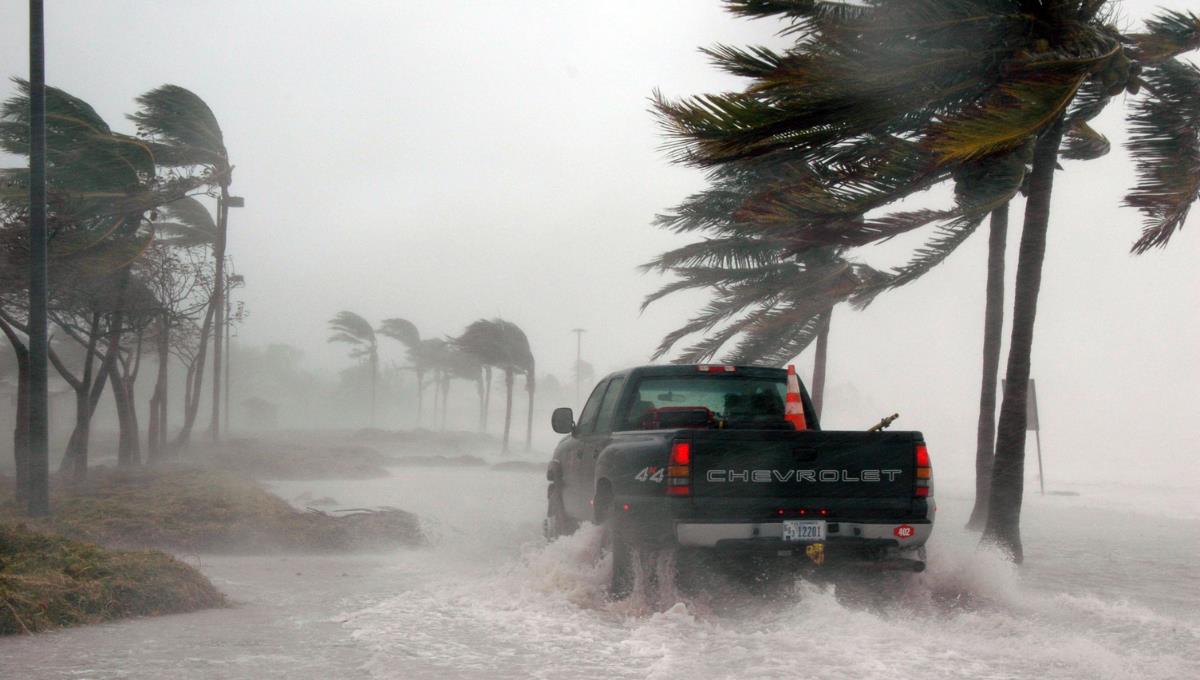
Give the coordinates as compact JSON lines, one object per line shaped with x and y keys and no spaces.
{"x":557,"y":523}
{"x":621,"y":583}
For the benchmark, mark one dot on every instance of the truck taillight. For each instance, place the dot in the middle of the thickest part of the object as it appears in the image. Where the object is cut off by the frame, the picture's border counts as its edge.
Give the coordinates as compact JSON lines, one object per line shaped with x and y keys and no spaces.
{"x":679,"y":472}
{"x":923,"y":483}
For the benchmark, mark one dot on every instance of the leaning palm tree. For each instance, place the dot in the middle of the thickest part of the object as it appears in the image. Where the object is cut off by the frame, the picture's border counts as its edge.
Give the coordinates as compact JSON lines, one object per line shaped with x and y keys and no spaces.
{"x":102,"y":187}
{"x":183,"y":132}
{"x":450,"y":362}
{"x":405,"y":332}
{"x":502,"y":344}
{"x":979,"y":88}
{"x":767,"y":302}
{"x":357,"y":332}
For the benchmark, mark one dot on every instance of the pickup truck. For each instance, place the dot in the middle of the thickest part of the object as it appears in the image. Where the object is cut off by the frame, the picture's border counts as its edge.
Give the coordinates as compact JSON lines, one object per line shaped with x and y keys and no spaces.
{"x":705,"y":457}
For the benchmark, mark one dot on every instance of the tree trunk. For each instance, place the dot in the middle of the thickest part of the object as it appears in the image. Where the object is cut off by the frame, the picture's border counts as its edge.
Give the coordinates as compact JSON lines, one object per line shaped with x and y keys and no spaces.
{"x":189,"y":378}
{"x":445,"y":398}
{"x":21,"y":429}
{"x":437,"y":398}
{"x":218,"y":306}
{"x":420,"y":397}
{"x":374,"y":362}
{"x":192,"y":402}
{"x":482,"y":402}
{"x":531,"y":387}
{"x":87,"y":396}
{"x":75,"y":459}
{"x":128,"y":447}
{"x":508,"y":389}
{"x":1003,"y":527}
{"x":21,"y":423}
{"x":156,"y":429}
{"x":153,"y":451}
{"x":819,"y":362}
{"x":487,"y":396}
{"x":993,"y":329}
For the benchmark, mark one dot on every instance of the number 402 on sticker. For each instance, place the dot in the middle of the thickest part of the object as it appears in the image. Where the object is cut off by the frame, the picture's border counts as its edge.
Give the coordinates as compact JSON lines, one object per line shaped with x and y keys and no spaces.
{"x":652,"y":474}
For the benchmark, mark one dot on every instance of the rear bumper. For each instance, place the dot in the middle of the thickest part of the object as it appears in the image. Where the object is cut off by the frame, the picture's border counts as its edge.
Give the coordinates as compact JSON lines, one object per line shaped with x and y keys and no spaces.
{"x":768,"y":536}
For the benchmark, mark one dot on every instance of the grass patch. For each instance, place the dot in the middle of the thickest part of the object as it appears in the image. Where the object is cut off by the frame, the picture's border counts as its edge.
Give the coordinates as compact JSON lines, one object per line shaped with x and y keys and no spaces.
{"x":193,"y":510}
{"x":48,"y":582}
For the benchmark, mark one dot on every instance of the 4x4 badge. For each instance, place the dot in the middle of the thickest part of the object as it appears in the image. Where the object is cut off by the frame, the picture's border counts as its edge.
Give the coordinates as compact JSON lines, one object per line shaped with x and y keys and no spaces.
{"x":653,"y":474}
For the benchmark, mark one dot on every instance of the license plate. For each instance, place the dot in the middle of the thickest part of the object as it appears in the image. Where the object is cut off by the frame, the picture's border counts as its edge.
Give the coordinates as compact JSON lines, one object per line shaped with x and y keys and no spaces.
{"x":804,"y":530}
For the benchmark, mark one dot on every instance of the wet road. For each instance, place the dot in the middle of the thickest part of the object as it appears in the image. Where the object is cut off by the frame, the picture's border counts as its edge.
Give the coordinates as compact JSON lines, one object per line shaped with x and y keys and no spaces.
{"x":1104,"y":594}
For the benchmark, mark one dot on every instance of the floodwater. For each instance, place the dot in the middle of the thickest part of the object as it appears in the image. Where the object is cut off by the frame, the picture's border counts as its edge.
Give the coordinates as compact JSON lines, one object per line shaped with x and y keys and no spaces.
{"x":1109,"y":590}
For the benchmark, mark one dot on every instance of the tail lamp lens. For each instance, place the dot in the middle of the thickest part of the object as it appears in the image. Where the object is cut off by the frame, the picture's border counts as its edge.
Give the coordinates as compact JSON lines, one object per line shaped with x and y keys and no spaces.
{"x":681,"y":453}
{"x":679,"y":472}
{"x":923,"y":456}
{"x":923,"y":484}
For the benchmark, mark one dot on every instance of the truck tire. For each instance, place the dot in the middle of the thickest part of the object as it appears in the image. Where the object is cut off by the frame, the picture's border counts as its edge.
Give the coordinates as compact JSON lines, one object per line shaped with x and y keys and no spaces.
{"x":557,"y":523}
{"x":621,"y":583}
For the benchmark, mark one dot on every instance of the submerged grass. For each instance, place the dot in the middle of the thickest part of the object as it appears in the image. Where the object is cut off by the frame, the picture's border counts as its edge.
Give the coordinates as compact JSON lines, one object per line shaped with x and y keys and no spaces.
{"x":49,"y":582}
{"x":193,"y":510}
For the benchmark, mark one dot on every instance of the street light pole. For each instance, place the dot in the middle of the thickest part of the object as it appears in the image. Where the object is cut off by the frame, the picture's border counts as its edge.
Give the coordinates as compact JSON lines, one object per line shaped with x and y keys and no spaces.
{"x":578,"y":362}
{"x":233,"y":281}
{"x":224,"y":203}
{"x":39,"y":416}
{"x":228,"y":352}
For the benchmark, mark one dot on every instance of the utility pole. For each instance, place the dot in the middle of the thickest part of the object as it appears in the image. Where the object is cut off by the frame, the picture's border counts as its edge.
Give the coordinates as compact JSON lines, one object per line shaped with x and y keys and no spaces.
{"x":39,"y":416}
{"x":234,"y":281}
{"x":578,"y":361}
{"x":224,"y":203}
{"x":228,"y":351}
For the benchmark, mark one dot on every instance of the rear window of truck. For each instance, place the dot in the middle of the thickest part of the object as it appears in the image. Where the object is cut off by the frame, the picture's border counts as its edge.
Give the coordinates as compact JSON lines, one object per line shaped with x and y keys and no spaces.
{"x":706,"y":401}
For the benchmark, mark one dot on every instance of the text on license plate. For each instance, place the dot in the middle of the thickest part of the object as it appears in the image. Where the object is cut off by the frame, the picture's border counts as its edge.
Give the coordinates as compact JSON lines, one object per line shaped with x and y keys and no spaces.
{"x":803,"y":530}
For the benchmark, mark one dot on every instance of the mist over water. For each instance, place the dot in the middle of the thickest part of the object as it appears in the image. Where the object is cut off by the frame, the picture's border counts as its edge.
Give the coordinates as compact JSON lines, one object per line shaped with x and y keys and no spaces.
{"x":1104,"y":593}
{"x":447,"y":162}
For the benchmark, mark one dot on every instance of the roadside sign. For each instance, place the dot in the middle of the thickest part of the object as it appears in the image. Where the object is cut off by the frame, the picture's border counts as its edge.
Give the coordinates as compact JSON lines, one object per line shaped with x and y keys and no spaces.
{"x":1031,"y":409}
{"x":1032,"y":423}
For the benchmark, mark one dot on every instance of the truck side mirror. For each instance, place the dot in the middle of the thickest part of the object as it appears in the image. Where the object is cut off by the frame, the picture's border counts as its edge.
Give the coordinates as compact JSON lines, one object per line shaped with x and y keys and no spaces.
{"x":563,"y":421}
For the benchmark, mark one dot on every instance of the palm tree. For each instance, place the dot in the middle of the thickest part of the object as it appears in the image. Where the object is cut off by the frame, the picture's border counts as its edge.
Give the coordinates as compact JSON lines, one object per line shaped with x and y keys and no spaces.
{"x":183,"y":132}
{"x":502,"y":344}
{"x":775,"y":301}
{"x":451,"y":362}
{"x":102,"y":184}
{"x":406,"y":333}
{"x":356,"y":331}
{"x":993,"y":327}
{"x":981,"y":88}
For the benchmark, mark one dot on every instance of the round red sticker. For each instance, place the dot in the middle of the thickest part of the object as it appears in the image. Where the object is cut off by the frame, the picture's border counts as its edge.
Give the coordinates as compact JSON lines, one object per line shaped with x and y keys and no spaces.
{"x":903,"y":531}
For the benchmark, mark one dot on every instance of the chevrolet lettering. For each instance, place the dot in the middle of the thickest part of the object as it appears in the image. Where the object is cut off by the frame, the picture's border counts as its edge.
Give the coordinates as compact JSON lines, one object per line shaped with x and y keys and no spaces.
{"x":799,"y":476}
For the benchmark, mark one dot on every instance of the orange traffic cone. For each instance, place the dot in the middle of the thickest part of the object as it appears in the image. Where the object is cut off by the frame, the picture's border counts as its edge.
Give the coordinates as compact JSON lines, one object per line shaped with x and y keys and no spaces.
{"x":794,"y":409}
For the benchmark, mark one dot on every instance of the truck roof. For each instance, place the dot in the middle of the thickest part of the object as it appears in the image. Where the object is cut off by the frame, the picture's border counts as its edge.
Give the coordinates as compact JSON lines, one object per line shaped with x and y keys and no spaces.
{"x":693,"y":369}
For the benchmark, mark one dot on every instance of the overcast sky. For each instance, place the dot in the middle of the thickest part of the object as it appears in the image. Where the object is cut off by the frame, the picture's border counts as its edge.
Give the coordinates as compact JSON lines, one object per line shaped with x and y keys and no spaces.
{"x":446,"y":161}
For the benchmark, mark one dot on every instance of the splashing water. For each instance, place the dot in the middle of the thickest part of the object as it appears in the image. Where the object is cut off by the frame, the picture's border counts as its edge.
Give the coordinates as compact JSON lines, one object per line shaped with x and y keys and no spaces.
{"x":1101,"y":595}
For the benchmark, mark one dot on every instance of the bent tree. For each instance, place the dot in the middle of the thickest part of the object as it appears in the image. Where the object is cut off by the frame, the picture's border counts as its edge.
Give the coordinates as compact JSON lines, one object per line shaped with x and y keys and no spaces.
{"x":881,"y":99}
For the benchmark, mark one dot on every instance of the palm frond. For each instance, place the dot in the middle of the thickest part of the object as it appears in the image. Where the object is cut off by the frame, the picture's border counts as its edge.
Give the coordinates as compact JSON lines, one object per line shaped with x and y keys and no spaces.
{"x":1165,"y":144}
{"x":401,"y":330}
{"x":730,"y":253}
{"x":1083,"y":143}
{"x":187,"y":223}
{"x":352,"y":328}
{"x":1169,"y":34}
{"x":184,"y":125}
{"x":1014,"y":112}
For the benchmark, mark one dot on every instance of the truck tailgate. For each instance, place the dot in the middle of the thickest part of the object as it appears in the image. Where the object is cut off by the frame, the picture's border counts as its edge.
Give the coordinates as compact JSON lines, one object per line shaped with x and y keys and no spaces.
{"x":803,"y":465}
